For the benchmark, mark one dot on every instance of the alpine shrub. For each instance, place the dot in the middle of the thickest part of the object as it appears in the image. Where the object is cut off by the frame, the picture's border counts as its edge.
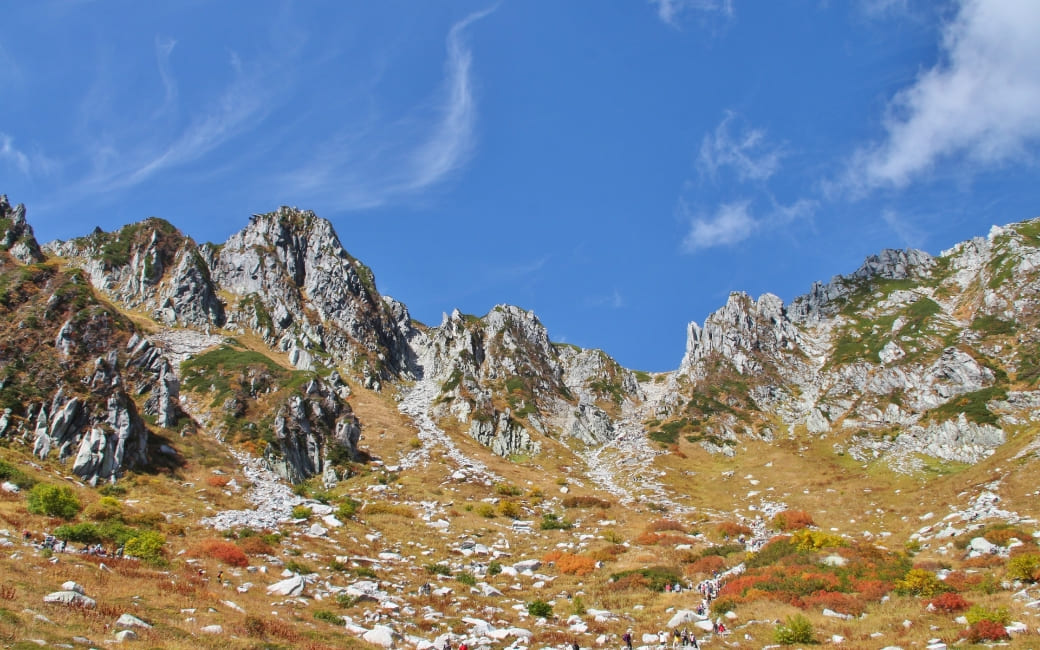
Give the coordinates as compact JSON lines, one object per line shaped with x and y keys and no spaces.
{"x":53,"y":501}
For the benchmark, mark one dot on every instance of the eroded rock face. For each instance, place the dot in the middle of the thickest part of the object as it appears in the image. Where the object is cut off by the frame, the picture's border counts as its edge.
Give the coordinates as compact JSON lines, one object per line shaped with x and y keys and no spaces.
{"x":311,"y":430}
{"x":299,"y":288}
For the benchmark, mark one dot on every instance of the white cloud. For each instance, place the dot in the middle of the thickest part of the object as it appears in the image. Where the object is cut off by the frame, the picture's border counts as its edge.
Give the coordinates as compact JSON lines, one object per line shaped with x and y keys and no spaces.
{"x":13,"y":155}
{"x":451,"y":142}
{"x":746,"y":152}
{"x":385,"y":161}
{"x":670,"y":11}
{"x":980,"y":102}
{"x":732,"y":223}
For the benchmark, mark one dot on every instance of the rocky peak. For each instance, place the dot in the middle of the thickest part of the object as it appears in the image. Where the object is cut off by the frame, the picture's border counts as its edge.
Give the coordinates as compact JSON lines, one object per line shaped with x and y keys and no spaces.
{"x":824,"y":300}
{"x":302,"y":291}
{"x":17,"y":237}
{"x":744,"y":332}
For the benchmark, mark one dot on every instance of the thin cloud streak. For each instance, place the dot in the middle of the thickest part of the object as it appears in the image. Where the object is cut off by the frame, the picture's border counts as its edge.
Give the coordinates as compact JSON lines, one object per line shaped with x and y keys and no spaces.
{"x":381,"y":163}
{"x":979,"y":102}
{"x":671,"y":11}
{"x":731,"y":223}
{"x":746,"y":152}
{"x":13,"y":155}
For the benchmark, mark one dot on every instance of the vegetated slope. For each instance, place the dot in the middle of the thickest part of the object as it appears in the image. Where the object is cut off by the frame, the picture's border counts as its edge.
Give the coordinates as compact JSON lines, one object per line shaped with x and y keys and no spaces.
{"x":864,"y":449}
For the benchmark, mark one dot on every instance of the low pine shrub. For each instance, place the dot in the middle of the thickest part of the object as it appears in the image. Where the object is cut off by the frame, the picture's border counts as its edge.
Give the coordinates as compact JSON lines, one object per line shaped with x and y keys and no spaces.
{"x":466,"y":578}
{"x":978,"y":613}
{"x":794,"y":630}
{"x":552,"y":521}
{"x":301,"y":512}
{"x":539,"y":609}
{"x":328,"y":617}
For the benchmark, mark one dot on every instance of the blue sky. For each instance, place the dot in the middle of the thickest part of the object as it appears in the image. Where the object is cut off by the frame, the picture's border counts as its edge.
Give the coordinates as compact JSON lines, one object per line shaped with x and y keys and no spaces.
{"x":617,"y":167}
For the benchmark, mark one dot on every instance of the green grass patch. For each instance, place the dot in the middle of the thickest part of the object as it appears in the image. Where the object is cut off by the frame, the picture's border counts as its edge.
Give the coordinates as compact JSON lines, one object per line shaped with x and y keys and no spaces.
{"x":972,"y":405}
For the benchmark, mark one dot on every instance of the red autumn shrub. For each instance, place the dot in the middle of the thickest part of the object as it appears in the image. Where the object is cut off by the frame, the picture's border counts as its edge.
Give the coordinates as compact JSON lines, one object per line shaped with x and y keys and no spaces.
{"x":985,"y":630}
{"x":218,"y":480}
{"x":647,"y":538}
{"x":706,"y":565}
{"x":220,"y":550}
{"x":552,"y":556}
{"x":950,"y":603}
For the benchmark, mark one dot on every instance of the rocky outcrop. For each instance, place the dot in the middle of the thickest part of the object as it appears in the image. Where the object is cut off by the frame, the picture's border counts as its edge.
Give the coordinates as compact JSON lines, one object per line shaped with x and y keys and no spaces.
{"x":298,"y":287}
{"x":503,"y":436}
{"x":313,"y":431}
{"x":17,"y":235}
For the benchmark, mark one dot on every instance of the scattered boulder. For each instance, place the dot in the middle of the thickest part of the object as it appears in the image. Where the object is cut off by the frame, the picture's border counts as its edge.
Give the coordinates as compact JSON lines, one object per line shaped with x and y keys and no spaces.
{"x":289,"y":587}
{"x":70,"y":598}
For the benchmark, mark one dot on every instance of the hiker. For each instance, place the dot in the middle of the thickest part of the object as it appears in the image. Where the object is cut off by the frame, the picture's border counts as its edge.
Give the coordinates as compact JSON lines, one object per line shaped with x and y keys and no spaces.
{"x":685,"y":637}
{"x":463,"y":646}
{"x":627,"y":638}
{"x":575,"y":646}
{"x":676,"y":638}
{"x":693,"y":642}
{"x":220,"y":577}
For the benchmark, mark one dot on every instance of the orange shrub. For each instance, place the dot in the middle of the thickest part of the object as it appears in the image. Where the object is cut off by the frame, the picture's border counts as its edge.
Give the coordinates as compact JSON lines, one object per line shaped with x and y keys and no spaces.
{"x":732,"y":529}
{"x":607,"y":553}
{"x":1001,"y":536}
{"x":578,"y":565}
{"x":218,"y":480}
{"x":586,"y":502}
{"x":647,"y":538}
{"x":792,"y":520}
{"x":220,"y":550}
{"x":985,"y":630}
{"x":631,"y":582}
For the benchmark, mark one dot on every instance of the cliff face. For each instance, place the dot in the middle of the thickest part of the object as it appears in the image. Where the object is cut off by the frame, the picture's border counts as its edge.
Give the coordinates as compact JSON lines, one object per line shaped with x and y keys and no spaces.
{"x":909,"y":355}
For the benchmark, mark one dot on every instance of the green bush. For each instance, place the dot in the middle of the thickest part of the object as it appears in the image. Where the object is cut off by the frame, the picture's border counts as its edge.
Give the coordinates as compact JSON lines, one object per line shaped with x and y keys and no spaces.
{"x":147,"y":545}
{"x":301,"y":512}
{"x":1025,"y":567}
{"x":53,"y":501}
{"x":494,"y":568}
{"x":466,"y":578}
{"x":328,"y":617}
{"x":539,"y":609}
{"x":979,"y":613}
{"x":85,"y":533}
{"x":795,"y":629}
{"x":9,"y":472}
{"x":347,"y":508}
{"x":439,"y":569}
{"x":555,"y":522}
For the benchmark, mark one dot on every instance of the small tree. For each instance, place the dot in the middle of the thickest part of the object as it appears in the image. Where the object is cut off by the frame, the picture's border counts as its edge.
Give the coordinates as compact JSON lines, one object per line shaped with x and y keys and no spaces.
{"x":53,"y":501}
{"x":539,"y":609}
{"x":795,"y":629}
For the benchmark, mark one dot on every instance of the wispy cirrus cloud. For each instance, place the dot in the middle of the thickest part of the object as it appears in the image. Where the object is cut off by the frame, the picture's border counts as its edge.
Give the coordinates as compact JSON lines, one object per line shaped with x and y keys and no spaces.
{"x":746,"y":152}
{"x":612,"y":300}
{"x":671,"y":11}
{"x":746,"y":159}
{"x":978,"y":104}
{"x":384,"y":161}
{"x":27,"y":164}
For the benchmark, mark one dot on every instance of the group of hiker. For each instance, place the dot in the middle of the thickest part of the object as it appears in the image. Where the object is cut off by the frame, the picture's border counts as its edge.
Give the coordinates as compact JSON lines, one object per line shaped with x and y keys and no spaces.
{"x":55,"y":545}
